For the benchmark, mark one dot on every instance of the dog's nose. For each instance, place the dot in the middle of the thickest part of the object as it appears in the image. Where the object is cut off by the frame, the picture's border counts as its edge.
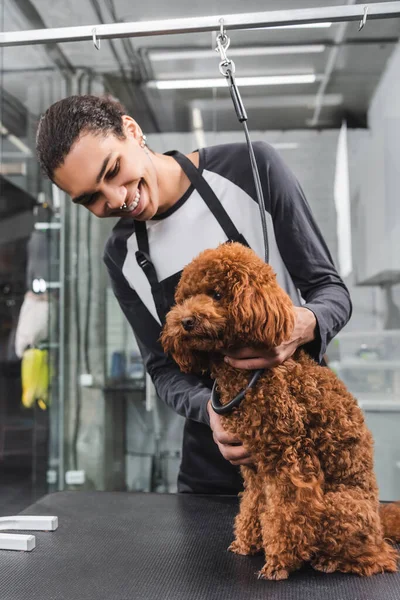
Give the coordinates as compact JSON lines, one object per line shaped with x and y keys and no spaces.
{"x":188,"y":323}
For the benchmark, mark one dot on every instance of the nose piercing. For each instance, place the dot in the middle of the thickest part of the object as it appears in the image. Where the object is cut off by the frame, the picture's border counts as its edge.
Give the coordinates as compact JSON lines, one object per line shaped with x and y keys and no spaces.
{"x":123,"y":206}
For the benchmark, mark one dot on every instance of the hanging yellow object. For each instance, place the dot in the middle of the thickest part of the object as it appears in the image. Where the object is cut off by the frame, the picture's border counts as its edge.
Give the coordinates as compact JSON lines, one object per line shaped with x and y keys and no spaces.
{"x":35,"y":378}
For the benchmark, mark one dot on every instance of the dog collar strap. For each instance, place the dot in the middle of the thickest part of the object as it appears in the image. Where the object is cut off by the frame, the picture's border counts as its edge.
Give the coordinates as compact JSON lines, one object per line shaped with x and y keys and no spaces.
{"x":223,"y":409}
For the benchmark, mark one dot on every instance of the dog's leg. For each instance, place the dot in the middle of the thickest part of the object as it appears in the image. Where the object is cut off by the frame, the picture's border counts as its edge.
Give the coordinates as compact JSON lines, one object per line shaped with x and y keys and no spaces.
{"x":247,"y":524}
{"x":289,"y":530}
{"x":352,"y":537}
{"x":288,"y":538}
{"x":290,"y":523}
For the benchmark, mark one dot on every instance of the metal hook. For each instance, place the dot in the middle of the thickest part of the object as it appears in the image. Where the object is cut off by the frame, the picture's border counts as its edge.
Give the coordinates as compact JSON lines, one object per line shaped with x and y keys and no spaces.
{"x":222,"y":35}
{"x":222,"y":46}
{"x":226,"y":66}
{"x":364,"y":19}
{"x":96,"y":42}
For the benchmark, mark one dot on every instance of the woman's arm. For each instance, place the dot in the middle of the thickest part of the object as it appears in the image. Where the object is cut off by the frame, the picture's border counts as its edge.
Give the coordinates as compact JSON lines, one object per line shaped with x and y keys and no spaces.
{"x":305,"y":252}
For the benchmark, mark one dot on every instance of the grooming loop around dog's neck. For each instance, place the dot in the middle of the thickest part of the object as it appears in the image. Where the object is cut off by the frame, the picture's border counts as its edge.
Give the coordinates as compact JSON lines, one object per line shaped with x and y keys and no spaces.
{"x":223,"y":409}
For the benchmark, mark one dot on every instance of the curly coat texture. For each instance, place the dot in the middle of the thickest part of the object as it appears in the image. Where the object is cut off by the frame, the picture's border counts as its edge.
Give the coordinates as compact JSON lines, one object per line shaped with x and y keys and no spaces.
{"x":311,"y":495}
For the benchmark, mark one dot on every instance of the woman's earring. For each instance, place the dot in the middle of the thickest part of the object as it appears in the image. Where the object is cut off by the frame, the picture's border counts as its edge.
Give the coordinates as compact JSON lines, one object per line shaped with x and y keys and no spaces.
{"x":143,"y":143}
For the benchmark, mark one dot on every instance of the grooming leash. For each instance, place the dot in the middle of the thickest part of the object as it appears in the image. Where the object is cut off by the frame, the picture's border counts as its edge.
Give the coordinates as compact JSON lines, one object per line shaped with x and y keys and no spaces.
{"x":227,"y":69}
{"x":223,"y":409}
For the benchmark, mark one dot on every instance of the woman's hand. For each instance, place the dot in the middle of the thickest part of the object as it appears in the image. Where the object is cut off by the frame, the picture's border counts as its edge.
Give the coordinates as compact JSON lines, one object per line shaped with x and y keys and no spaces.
{"x":231,"y":448}
{"x":258,"y":358}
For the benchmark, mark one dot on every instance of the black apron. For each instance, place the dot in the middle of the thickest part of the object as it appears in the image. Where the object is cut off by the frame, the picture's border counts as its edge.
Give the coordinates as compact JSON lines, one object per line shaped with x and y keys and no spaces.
{"x":203,"y":469}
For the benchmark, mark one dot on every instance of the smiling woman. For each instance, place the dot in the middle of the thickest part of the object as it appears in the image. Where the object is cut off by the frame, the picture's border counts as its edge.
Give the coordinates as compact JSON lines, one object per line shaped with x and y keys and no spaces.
{"x":102,"y":161}
{"x":172,"y":207}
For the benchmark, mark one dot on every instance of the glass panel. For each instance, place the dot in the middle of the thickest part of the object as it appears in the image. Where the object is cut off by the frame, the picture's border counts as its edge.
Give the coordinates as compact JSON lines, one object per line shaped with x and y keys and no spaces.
{"x":29,"y":294}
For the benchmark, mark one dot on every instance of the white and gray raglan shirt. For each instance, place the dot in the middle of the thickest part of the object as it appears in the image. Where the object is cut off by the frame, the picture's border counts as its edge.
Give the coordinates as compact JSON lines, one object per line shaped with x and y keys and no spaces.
{"x":297,"y":253}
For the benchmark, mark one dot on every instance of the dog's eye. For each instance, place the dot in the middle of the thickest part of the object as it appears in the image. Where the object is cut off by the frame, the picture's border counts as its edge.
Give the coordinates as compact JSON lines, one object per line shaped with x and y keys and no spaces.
{"x":216,"y":295}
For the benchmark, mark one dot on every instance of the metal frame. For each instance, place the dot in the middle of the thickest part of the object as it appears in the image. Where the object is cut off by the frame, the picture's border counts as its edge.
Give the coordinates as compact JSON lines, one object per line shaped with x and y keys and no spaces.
{"x":332,"y":14}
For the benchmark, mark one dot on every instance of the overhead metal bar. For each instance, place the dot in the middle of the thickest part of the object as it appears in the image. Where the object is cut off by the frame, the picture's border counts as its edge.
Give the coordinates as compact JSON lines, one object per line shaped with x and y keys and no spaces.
{"x":276,"y":18}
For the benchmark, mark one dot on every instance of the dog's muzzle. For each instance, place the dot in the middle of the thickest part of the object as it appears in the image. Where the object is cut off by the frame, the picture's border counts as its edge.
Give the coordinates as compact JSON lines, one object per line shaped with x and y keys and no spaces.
{"x":188,"y":323}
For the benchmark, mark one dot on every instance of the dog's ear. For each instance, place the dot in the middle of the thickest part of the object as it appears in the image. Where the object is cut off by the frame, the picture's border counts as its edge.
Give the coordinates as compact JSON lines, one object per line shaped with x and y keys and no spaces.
{"x":189,"y":361}
{"x":262,"y":312}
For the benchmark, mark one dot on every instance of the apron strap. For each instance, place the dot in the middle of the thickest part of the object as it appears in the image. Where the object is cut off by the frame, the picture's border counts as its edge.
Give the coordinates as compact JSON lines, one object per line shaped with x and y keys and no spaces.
{"x":209,"y":197}
{"x":144,"y":262}
{"x":214,"y":205}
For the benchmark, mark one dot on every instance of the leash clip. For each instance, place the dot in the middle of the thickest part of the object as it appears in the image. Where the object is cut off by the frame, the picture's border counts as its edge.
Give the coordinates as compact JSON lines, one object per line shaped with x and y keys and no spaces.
{"x":226,"y":66}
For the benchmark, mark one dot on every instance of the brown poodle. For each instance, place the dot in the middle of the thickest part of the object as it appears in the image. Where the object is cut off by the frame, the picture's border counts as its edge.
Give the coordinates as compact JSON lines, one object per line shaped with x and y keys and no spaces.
{"x":312,"y":494}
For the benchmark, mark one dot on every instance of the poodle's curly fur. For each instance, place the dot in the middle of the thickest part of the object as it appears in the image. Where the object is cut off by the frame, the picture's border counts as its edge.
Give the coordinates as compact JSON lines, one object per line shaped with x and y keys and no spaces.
{"x":311,"y":495}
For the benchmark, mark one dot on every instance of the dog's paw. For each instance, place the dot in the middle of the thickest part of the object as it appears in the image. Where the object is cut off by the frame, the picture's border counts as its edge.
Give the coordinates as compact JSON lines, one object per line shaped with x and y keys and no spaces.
{"x":240,"y":548}
{"x":324,"y":564}
{"x":273,"y":573}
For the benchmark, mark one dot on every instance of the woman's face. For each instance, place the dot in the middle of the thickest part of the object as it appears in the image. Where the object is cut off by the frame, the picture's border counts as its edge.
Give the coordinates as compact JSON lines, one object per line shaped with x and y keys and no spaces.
{"x":104,"y":173}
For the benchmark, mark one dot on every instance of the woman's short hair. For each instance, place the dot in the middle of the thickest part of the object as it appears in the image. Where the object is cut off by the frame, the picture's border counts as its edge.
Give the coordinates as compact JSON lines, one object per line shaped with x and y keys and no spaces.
{"x":66,"y":120}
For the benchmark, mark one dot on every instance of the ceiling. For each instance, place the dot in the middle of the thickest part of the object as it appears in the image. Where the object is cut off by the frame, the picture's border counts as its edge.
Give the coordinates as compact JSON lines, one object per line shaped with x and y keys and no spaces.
{"x":347,"y":63}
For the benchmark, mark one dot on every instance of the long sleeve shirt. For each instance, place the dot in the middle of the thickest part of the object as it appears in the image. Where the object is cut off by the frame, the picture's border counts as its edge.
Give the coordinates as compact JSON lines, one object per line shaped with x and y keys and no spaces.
{"x":297,"y":252}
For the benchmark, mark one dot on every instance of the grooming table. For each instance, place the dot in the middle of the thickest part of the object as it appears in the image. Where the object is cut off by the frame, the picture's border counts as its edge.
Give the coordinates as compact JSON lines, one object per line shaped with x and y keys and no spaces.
{"x":122,"y":546}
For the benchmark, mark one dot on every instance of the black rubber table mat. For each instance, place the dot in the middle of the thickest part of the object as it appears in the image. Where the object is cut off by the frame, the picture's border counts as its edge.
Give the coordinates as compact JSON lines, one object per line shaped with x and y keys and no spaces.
{"x":120,"y":546}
